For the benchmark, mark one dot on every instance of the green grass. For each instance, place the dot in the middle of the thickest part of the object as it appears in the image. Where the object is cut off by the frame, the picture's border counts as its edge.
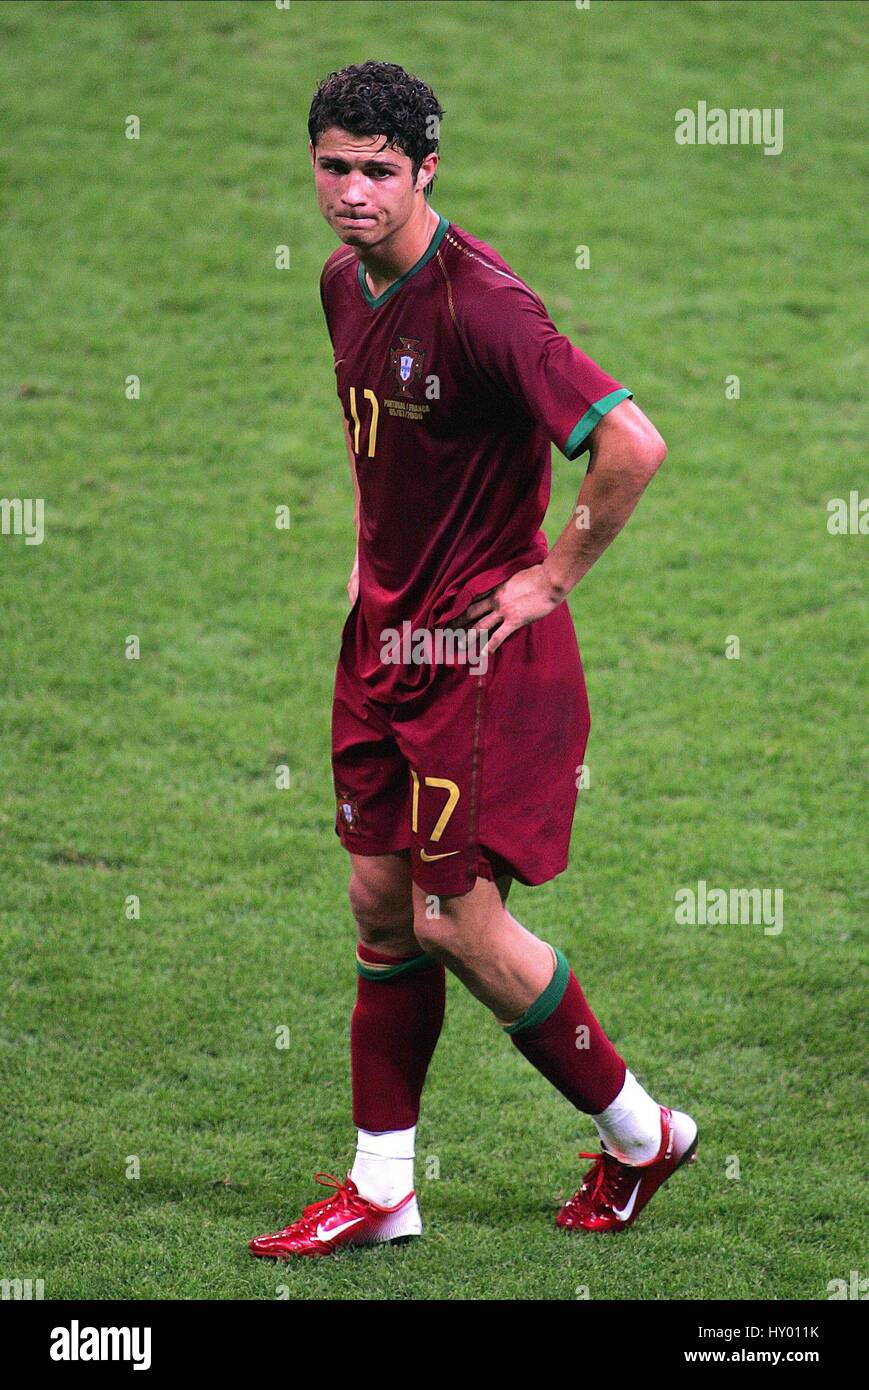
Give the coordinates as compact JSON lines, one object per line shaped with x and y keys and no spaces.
{"x":156,"y":1037}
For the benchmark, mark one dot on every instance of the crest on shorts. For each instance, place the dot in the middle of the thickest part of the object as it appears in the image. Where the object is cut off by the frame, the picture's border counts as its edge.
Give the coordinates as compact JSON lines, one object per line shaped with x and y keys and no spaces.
{"x":348,"y":811}
{"x":406,"y":362}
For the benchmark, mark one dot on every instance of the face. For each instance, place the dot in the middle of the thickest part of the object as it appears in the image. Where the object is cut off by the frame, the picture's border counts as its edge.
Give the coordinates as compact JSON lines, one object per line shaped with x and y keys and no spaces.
{"x":364,"y":188}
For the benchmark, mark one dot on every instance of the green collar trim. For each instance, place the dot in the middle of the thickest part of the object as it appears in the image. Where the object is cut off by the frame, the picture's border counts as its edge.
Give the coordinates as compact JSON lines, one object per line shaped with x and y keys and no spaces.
{"x":375,"y":302}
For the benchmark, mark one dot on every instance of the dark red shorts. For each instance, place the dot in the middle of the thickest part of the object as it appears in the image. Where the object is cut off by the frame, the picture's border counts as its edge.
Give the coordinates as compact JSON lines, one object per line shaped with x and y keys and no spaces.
{"x":478,"y":775}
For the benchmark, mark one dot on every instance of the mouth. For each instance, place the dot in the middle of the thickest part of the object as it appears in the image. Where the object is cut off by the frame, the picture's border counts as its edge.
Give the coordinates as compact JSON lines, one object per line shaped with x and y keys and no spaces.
{"x":355,"y":221}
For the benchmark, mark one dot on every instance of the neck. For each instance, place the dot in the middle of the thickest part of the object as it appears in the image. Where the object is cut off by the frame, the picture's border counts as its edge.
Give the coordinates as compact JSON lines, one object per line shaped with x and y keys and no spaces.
{"x":398,"y":253}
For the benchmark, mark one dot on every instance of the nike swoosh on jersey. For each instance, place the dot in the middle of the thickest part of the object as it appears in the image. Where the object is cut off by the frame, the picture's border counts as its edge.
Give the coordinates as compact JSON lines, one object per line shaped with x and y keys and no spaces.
{"x":625,"y":1213}
{"x":336,"y":1230}
{"x":429,"y":857}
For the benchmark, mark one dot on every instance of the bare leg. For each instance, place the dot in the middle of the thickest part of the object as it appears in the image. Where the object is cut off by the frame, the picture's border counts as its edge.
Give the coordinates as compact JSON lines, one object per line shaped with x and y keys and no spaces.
{"x":502,"y":963}
{"x":381,"y":902}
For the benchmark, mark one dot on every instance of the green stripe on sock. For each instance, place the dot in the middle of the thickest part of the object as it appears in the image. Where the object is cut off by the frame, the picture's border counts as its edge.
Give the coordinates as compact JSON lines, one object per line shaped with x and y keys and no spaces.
{"x":548,"y":1001}
{"x":374,"y":972}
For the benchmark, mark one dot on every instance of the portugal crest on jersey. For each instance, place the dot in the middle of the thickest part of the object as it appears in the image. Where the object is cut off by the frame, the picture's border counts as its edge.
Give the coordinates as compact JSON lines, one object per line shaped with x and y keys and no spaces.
{"x":348,"y":811}
{"x":406,"y":362}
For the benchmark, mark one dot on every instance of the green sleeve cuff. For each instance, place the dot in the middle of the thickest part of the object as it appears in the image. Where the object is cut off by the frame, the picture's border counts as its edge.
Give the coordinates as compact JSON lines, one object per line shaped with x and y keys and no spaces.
{"x":574,"y":446}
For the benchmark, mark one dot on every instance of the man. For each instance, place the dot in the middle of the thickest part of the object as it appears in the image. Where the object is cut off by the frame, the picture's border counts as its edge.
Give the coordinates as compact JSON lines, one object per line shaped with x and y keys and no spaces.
{"x":454,"y":776}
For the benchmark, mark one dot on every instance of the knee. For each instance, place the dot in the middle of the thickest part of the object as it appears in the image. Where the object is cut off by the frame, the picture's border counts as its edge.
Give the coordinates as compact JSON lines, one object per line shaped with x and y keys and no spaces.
{"x":463,"y":928}
{"x":438,"y":935}
{"x":383,"y":912}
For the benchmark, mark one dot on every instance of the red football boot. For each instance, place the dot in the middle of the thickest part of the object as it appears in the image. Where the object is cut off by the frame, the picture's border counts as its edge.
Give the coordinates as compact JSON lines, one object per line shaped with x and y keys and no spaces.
{"x":345,"y":1218}
{"x":614,"y":1193}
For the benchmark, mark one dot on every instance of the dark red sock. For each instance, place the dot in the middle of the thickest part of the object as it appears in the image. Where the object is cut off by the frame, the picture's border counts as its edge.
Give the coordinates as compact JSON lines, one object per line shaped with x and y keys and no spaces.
{"x":395,"y":1026}
{"x":561,"y":1037}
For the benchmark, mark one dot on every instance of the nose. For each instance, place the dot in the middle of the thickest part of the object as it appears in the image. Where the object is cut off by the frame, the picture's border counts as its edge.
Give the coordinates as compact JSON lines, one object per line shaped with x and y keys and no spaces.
{"x":353,"y":194}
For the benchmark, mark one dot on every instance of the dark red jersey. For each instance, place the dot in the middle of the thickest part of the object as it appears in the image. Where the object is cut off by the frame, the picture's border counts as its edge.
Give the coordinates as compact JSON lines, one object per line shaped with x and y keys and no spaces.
{"x":453,"y":383}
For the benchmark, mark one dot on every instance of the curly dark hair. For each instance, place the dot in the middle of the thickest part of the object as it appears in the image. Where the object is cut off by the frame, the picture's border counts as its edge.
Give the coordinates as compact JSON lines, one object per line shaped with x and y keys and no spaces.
{"x":374,"y":98}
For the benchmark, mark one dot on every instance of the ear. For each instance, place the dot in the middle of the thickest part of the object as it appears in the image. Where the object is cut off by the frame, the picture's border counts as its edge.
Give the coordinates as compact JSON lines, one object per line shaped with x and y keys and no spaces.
{"x":426,"y":171}
{"x":313,"y":153}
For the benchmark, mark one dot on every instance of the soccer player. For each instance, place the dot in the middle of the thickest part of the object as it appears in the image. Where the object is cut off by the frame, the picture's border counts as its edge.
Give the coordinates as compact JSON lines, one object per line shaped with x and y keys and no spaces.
{"x":460,"y":716}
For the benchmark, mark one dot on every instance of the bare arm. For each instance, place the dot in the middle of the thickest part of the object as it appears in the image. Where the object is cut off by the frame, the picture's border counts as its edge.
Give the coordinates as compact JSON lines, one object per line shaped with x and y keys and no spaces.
{"x":626,"y":451}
